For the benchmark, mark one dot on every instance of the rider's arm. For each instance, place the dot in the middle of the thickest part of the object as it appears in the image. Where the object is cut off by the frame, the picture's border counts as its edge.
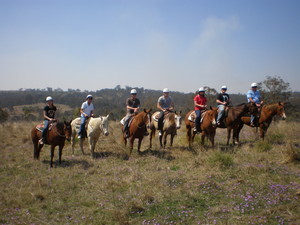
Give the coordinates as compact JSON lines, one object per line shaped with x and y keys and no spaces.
{"x":159,"y":107}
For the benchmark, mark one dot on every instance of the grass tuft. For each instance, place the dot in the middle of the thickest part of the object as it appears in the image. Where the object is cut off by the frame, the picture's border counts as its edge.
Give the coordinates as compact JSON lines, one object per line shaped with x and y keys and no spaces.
{"x":221,"y":160}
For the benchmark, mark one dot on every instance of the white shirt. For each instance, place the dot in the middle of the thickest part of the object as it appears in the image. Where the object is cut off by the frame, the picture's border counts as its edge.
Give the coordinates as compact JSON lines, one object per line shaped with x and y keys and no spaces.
{"x":86,"y":108}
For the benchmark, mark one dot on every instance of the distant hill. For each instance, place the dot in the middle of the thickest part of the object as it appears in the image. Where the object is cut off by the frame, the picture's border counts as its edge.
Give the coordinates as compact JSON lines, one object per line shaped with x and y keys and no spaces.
{"x":28,"y":103}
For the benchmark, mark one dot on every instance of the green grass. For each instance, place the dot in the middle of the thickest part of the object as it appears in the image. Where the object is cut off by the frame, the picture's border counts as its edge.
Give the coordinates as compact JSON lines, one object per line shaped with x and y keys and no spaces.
{"x":255,"y":183}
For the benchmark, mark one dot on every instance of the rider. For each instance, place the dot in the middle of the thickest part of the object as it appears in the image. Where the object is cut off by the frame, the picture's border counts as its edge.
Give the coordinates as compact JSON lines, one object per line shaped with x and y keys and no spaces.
{"x":49,"y":116}
{"x":253,"y":95}
{"x":223,"y":100}
{"x":132,"y":107}
{"x":86,"y":111}
{"x":200,"y":105}
{"x":164,"y":104}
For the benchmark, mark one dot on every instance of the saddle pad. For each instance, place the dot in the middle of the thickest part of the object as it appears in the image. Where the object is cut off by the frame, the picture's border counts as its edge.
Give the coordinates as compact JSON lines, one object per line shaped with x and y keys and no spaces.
{"x":192,"y":116}
{"x":122,"y":121}
{"x":155,"y":116}
{"x":40,"y":127}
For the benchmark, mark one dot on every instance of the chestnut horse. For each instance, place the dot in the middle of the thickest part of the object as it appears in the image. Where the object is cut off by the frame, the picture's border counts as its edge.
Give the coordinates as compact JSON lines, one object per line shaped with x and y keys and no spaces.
{"x":137,"y":128}
{"x":60,"y":131}
{"x":266,"y":115}
{"x":172,"y":122}
{"x":208,"y":126}
{"x":233,"y":118}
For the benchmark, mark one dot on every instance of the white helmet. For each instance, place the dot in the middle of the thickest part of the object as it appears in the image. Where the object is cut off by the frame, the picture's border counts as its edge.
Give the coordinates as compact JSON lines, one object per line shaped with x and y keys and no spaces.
{"x":166,"y":90}
{"x":133,"y":91}
{"x":254,"y":85}
{"x":224,"y":87}
{"x":201,"y":89}
{"x":89,"y":96}
{"x":49,"y":98}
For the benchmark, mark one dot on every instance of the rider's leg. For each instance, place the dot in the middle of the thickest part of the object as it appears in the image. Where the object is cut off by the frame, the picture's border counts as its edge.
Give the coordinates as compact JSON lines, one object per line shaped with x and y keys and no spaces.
{"x":82,"y":126}
{"x":221,"y":113}
{"x":197,"y":121}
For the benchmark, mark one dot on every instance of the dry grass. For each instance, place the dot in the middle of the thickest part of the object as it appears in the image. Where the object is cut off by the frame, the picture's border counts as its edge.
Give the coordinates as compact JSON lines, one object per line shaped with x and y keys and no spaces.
{"x":246,"y":184}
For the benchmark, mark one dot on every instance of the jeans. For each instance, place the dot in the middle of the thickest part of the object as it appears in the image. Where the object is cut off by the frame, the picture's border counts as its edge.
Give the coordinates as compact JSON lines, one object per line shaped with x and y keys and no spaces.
{"x":160,"y":122}
{"x":82,"y":125}
{"x":46,"y":124}
{"x":252,"y":118}
{"x":221,"y":112}
{"x":198,"y":118}
{"x":126,"y":122}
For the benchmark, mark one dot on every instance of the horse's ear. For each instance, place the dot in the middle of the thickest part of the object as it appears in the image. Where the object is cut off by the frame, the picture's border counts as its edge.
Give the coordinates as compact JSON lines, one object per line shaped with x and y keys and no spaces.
{"x":180,"y":112}
{"x":70,"y":121}
{"x":279,"y":103}
{"x":210,"y":108}
{"x":107,"y":116}
{"x":101,"y":118}
{"x":150,"y":110}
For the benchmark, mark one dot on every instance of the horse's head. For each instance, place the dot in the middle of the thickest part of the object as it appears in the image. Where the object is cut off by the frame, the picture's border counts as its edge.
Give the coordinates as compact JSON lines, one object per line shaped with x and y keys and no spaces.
{"x":178,"y":119}
{"x":104,"y":124}
{"x":213,"y":114}
{"x":68,"y":130}
{"x":252,"y":108}
{"x":147,"y":117}
{"x":280,"y":110}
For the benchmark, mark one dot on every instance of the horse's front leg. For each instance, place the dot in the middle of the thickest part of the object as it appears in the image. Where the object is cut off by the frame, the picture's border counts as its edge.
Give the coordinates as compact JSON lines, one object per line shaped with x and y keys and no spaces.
{"x":92,"y":144}
{"x":81,"y":145}
{"x":139,"y":144}
{"x":131,"y":143}
{"x":165,"y":139}
{"x":229,"y":134}
{"x":212,"y":138}
{"x":73,"y":142}
{"x":161,"y":140}
{"x":60,"y":153}
{"x":152,"y":134}
{"x":171,"y":139}
{"x":52,"y":155}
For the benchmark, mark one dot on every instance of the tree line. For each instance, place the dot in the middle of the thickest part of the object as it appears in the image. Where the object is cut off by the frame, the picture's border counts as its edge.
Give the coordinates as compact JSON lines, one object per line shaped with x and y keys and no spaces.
{"x":112,"y":101}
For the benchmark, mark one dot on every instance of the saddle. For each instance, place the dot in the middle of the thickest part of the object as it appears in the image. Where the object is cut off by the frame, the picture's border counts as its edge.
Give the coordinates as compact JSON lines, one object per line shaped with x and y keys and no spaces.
{"x":155,"y":115}
{"x":122,"y":121}
{"x":192,"y":116}
{"x":40,"y":126}
{"x":78,"y":122}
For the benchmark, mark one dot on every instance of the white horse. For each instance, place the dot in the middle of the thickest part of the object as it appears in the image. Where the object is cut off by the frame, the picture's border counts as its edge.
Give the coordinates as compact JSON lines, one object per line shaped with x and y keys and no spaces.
{"x":94,"y":129}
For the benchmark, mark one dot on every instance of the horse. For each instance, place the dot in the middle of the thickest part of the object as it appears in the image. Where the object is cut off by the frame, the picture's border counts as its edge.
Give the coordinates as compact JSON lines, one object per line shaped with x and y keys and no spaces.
{"x":137,"y":128}
{"x":94,"y":128}
{"x":266,"y":116}
{"x":59,"y":132}
{"x":208,"y":126}
{"x":232,"y":120}
{"x":172,"y":122}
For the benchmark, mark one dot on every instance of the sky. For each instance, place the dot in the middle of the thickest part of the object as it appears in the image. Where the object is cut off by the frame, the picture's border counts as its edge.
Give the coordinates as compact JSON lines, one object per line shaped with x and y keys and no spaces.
{"x":179,"y":44}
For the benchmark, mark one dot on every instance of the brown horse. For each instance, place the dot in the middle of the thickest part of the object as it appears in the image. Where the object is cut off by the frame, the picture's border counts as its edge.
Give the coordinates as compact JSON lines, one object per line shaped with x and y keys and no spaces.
{"x":60,"y":131}
{"x":172,"y":122}
{"x":137,"y":128}
{"x":266,"y":115}
{"x":208,"y":126}
{"x":233,"y":118}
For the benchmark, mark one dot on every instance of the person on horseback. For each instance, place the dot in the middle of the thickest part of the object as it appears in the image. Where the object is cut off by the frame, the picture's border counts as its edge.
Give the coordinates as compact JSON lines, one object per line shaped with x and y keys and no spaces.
{"x":86,"y":111}
{"x":223,"y":100}
{"x":164,"y":104}
{"x":49,"y":117}
{"x":132,"y":107}
{"x":200,"y":105}
{"x":253,"y":95}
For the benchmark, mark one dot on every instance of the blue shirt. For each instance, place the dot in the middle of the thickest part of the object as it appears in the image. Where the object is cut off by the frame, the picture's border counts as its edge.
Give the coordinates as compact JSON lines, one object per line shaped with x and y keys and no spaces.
{"x":165,"y":103}
{"x":255,"y":95}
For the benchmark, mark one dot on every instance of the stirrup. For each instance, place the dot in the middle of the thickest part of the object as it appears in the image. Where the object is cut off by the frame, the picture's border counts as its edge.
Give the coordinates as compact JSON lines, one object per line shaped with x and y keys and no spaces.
{"x":41,"y":141}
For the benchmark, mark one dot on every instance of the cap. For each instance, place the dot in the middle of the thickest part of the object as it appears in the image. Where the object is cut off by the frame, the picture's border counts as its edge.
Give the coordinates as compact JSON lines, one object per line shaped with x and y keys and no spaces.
{"x":254,"y":85}
{"x":166,"y":90}
{"x":201,"y":89}
{"x":224,"y":87}
{"x":49,"y":98}
{"x":133,"y":91}
{"x":89,"y":96}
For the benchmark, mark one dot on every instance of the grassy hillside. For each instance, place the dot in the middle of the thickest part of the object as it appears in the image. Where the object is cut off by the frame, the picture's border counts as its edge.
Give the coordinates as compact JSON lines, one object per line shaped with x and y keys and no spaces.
{"x":255,"y":183}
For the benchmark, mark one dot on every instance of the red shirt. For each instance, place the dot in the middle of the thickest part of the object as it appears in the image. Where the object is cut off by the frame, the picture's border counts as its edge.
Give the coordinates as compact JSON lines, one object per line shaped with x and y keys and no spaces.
{"x":201,"y":100}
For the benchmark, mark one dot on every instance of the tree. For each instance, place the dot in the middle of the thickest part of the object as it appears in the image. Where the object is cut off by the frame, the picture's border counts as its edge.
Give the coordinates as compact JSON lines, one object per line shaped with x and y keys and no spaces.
{"x":274,"y":89}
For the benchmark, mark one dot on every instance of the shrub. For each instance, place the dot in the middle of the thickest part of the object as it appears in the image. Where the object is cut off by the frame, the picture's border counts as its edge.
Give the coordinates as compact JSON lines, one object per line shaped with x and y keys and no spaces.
{"x":220,"y":159}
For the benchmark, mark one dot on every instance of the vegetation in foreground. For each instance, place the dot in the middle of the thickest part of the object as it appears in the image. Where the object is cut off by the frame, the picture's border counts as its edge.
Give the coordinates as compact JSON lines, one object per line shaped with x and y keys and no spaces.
{"x":254,"y":183}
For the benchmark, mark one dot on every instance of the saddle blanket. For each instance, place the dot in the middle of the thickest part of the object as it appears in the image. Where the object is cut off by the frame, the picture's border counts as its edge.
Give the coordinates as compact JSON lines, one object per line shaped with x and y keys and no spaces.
{"x":192,"y":116}
{"x":122,"y":121}
{"x":40,"y":127}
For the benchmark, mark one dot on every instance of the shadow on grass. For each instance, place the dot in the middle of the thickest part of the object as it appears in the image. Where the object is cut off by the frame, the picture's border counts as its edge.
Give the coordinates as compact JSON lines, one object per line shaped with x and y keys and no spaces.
{"x":162,"y":154}
{"x":70,"y":163}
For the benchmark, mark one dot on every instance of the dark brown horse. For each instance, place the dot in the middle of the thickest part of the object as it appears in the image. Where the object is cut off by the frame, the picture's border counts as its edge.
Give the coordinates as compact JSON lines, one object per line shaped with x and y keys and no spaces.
{"x":233,"y":118}
{"x":266,"y":116}
{"x":172,"y":122}
{"x":137,"y":128}
{"x":60,"y":131}
{"x":208,"y":126}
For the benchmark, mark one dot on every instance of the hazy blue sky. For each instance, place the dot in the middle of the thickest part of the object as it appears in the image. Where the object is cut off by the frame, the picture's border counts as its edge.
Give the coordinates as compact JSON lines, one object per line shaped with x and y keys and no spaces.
{"x":153,"y":44}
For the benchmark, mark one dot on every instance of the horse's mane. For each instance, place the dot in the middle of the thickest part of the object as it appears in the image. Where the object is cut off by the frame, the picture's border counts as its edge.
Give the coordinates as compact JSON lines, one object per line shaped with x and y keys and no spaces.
{"x":59,"y":125}
{"x":241,"y":104}
{"x":171,"y":116}
{"x":272,"y":107}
